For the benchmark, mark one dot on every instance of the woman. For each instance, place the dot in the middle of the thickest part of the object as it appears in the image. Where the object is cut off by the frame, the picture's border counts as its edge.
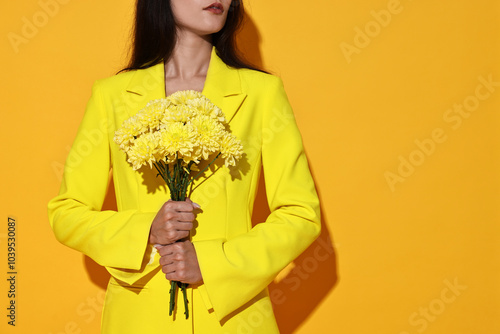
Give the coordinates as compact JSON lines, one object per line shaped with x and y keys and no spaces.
{"x":209,"y":242}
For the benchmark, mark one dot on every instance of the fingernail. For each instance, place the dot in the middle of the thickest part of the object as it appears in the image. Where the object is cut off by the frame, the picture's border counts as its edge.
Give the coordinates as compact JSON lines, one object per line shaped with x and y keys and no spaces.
{"x":196,"y":205}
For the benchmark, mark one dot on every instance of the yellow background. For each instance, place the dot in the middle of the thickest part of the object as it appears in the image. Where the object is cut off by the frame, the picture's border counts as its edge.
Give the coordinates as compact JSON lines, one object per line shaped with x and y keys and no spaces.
{"x":389,"y":252}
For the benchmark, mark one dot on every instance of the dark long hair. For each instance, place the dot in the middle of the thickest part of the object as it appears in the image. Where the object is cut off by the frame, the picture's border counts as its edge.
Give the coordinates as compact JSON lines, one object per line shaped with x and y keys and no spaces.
{"x":154,"y":35}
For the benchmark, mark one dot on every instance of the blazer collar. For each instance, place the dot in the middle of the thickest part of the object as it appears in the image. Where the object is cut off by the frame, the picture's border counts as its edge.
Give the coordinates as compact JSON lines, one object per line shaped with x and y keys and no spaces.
{"x":222,"y":87}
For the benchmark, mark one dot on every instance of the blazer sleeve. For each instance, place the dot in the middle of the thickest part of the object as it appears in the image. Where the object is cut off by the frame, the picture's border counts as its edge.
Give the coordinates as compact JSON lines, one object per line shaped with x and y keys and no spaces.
{"x":117,"y":240}
{"x":236,"y":270}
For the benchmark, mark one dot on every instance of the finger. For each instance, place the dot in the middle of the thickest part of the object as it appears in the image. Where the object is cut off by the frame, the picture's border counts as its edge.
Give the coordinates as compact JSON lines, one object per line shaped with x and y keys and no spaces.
{"x":182,"y":235}
{"x":183,"y":217}
{"x":169,"y":237}
{"x":176,"y":223}
{"x":172,"y":276}
{"x":195,"y":205}
{"x":175,"y":273}
{"x":175,"y":216}
{"x":166,"y":260}
{"x":178,"y":228}
{"x":166,"y":251}
{"x":173,"y":265}
{"x":179,"y":206}
{"x":168,"y":269}
{"x":175,"y":248}
{"x":177,"y":235}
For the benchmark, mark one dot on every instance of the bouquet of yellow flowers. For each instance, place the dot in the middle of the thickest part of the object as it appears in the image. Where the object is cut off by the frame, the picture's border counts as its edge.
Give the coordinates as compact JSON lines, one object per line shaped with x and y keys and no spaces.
{"x":173,"y":135}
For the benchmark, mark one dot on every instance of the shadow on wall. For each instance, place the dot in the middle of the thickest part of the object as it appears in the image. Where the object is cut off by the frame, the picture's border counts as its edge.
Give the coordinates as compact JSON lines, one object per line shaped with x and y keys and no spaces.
{"x":248,"y":42}
{"x":296,"y":295}
{"x":313,"y":274}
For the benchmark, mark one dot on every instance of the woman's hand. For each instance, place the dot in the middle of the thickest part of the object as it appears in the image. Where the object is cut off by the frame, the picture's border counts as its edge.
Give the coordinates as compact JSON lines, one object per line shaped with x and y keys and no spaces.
{"x":172,"y":222}
{"x":180,"y":263}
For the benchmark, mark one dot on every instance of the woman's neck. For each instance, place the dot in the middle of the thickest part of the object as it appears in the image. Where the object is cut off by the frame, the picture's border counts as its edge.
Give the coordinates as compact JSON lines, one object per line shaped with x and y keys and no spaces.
{"x":190,"y":57}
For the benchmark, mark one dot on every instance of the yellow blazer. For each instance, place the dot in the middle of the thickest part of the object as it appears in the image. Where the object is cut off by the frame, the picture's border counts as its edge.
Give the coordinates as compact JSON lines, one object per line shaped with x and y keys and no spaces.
{"x":237,"y":261}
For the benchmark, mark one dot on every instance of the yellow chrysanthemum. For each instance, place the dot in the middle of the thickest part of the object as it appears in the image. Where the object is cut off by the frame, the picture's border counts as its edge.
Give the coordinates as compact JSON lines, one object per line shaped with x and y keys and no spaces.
{"x":130,"y":129}
{"x":186,"y":125}
{"x":208,"y":134}
{"x":175,"y":114}
{"x":144,"y":150}
{"x":151,"y":115}
{"x":124,"y":137}
{"x":231,"y":149}
{"x":178,"y":138}
{"x":183,"y":96}
{"x":203,"y":106}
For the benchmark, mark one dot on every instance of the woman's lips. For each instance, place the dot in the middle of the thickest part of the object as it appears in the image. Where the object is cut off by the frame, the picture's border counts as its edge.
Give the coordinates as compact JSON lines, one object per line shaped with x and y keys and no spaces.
{"x":215,"y":8}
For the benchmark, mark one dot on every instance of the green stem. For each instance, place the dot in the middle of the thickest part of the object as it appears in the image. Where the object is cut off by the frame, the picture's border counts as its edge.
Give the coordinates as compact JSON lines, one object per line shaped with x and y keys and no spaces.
{"x":159,"y":171}
{"x":204,"y":169}
{"x":185,"y":180}
{"x":186,"y":309}
{"x":173,"y":290}
{"x":176,"y":180}
{"x":169,"y":177}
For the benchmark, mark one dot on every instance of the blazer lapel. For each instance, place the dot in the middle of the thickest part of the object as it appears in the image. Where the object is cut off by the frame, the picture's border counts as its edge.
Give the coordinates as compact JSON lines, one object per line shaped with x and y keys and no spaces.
{"x":223,"y":86}
{"x":144,"y":86}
